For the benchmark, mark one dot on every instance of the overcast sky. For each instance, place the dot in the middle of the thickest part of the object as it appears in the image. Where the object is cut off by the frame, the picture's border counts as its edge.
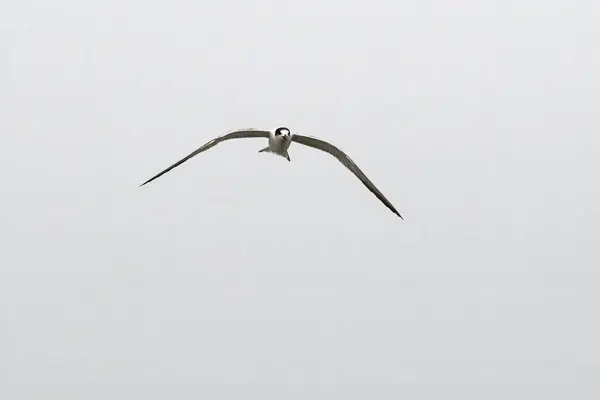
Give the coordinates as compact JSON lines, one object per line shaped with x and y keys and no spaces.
{"x":242,"y":275}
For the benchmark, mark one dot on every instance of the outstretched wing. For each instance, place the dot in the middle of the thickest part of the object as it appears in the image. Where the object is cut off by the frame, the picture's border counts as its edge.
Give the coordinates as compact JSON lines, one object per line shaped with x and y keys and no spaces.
{"x":239,"y":134}
{"x":347,"y":162}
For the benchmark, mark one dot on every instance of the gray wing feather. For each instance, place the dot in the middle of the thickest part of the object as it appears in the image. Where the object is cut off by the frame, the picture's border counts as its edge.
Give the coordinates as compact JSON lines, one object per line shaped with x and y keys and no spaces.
{"x":238,"y":134}
{"x":347,"y":162}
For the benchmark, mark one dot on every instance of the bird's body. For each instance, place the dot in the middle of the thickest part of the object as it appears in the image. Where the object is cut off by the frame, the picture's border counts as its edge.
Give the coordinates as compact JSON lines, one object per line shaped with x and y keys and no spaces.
{"x":280,"y":140}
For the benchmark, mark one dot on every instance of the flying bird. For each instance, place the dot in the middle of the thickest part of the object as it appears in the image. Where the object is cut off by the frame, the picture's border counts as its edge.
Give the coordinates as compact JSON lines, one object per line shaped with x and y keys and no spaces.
{"x":280,"y":140}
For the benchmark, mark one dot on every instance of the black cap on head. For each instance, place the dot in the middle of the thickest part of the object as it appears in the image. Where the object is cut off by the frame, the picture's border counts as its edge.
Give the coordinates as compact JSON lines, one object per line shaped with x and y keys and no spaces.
{"x":282,"y":130}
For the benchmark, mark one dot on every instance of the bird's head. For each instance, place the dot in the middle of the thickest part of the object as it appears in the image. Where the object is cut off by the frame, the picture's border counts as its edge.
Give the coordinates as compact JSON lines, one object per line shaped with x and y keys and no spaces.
{"x":283,"y":132}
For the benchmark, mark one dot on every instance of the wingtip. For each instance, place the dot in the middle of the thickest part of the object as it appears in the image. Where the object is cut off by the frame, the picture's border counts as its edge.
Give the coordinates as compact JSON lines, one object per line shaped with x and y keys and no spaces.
{"x":148,"y":181}
{"x":397,"y":213}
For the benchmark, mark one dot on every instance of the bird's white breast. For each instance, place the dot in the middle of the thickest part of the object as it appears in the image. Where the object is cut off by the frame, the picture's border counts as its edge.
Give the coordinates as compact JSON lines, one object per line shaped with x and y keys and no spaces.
{"x":279,"y":144}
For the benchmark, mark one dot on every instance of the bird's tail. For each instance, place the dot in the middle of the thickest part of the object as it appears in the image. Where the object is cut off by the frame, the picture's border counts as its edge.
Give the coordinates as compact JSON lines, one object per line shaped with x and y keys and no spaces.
{"x":268,"y":150}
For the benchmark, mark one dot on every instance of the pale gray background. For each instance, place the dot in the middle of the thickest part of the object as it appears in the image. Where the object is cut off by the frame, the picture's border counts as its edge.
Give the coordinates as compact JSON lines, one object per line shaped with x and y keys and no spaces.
{"x":240,"y":275}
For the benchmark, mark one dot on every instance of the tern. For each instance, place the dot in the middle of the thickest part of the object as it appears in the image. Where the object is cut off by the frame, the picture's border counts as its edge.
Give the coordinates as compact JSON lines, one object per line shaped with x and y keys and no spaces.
{"x":280,"y":140}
